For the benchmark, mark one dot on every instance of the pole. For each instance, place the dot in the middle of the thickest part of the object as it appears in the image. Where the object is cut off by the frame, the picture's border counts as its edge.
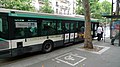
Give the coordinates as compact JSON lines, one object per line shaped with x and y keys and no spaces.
{"x":117,"y":12}
{"x":111,"y":21}
{"x":104,"y":32}
{"x":119,"y":22}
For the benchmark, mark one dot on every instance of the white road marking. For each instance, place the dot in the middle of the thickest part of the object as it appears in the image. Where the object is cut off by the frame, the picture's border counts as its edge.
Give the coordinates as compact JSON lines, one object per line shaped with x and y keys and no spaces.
{"x":70,"y":54}
{"x":58,"y":61}
{"x":69,"y":58}
{"x":53,"y":59}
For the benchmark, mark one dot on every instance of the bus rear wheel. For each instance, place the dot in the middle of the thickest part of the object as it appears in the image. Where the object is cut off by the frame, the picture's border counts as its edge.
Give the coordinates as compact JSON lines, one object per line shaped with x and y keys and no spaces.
{"x":47,"y":46}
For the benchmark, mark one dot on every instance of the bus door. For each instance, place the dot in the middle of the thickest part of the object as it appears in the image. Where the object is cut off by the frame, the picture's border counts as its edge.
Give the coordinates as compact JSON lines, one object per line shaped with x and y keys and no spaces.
{"x":72,"y":35}
{"x":95,"y":25}
{"x":66,"y":32}
{"x":79,"y":31}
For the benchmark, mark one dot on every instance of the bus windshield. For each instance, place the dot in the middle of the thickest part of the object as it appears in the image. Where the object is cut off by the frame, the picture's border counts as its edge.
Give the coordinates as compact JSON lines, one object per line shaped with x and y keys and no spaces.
{"x":3,"y":28}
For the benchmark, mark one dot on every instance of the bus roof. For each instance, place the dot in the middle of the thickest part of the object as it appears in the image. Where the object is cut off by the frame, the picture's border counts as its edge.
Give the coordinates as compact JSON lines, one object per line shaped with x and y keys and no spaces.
{"x":20,"y":13}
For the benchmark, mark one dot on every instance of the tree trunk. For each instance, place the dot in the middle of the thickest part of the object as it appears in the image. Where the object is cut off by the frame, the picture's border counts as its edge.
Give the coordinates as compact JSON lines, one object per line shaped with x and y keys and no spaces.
{"x":87,"y":34}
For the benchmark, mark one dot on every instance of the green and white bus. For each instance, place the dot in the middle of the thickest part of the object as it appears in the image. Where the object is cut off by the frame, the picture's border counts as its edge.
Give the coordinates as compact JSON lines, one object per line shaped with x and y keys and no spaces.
{"x":22,"y":32}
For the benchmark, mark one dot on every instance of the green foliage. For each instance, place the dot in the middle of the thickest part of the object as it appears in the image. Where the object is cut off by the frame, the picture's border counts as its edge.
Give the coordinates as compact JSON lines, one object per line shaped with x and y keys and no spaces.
{"x":79,"y":9}
{"x":46,"y":8}
{"x":96,"y":8}
{"x":17,"y":4}
{"x":106,"y":7}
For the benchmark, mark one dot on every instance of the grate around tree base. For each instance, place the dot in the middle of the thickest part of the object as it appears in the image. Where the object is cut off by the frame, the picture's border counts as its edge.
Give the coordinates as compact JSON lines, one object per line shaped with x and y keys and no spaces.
{"x":96,"y":49}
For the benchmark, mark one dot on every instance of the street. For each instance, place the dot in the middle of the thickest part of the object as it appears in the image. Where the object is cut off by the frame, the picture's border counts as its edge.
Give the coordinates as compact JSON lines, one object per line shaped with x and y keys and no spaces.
{"x":59,"y":33}
{"x":70,"y":56}
{"x":37,"y":57}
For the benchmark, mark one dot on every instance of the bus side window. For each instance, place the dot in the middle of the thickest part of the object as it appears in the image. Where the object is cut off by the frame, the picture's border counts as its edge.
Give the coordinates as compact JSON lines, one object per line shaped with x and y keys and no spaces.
{"x":51,"y":28}
{"x":66,"y":27}
{"x":1,"y":25}
{"x":72,"y":27}
{"x":59,"y":28}
{"x":25,"y":31}
{"x":82,"y":29}
{"x":76,"y":27}
{"x":48,"y":27}
{"x":33,"y":31}
{"x":19,"y":32}
{"x":44,"y":27}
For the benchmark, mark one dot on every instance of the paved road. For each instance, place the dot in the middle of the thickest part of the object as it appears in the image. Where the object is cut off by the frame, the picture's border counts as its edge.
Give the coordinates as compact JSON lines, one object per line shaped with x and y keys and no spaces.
{"x":69,"y":57}
{"x":35,"y":57}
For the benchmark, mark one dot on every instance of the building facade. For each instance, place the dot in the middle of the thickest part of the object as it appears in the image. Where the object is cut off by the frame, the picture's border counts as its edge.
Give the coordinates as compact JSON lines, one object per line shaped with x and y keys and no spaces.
{"x":64,"y":7}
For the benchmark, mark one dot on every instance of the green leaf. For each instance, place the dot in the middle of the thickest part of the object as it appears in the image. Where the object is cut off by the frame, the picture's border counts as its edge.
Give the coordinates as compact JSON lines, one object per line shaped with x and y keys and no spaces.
{"x":17,"y":4}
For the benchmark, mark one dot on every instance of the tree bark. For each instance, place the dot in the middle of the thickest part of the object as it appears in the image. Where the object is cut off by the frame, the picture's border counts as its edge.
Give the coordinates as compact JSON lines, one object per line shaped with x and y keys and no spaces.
{"x":87,"y":33}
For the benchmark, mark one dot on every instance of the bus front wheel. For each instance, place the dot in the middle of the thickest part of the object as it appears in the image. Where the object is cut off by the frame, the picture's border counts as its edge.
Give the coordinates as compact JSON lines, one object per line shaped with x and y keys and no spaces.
{"x":47,"y":46}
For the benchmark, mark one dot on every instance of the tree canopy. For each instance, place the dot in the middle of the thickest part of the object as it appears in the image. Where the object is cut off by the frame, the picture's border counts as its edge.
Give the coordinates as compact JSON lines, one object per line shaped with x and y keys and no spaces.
{"x":17,"y":4}
{"x":96,"y":8}
{"x":79,"y":9}
{"x":46,"y":8}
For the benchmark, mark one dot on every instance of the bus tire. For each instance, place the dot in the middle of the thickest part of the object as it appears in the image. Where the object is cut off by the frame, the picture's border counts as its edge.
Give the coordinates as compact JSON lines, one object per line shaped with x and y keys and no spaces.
{"x":47,"y":46}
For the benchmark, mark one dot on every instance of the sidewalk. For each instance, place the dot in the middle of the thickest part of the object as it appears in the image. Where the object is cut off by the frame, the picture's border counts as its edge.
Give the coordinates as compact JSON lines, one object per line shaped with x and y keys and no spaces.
{"x":79,"y":58}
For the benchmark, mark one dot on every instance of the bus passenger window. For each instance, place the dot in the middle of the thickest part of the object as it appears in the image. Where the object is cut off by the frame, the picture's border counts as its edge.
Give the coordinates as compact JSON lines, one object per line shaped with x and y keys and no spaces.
{"x":76,"y":27}
{"x":25,"y":29}
{"x":72,"y":27}
{"x":0,"y":25}
{"x":82,"y":29}
{"x":19,"y":32}
{"x":66,"y":27}
{"x":3,"y":27}
{"x":59,"y":28}
{"x":48,"y":27}
{"x":51,"y":28}
{"x":44,"y":28}
{"x":33,"y":31}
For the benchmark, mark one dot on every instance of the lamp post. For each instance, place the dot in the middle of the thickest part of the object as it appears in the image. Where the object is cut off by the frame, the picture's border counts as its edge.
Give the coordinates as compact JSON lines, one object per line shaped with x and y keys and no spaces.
{"x":111,"y":20}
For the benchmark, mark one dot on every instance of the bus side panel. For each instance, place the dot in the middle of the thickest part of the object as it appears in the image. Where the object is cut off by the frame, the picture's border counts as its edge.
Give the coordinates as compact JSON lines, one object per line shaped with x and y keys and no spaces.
{"x":21,"y":46}
{"x":26,"y":49}
{"x":57,"y":39}
{"x":5,"y":49}
{"x":5,"y":54}
{"x":59,"y":43}
{"x":32,"y":48}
